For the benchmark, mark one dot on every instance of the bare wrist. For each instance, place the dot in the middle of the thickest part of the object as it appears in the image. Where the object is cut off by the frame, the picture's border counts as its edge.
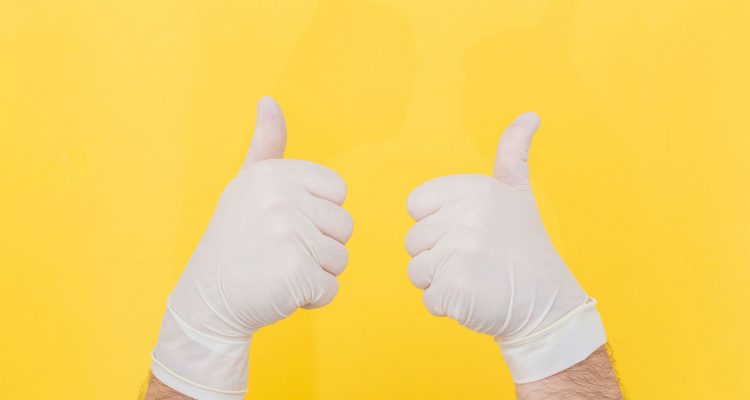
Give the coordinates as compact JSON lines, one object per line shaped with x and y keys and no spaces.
{"x":159,"y":391}
{"x":592,"y":378}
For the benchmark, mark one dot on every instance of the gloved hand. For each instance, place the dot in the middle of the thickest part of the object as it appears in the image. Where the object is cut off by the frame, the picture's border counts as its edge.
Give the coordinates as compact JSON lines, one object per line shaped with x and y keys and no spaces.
{"x":482,"y":255}
{"x":274,"y":244}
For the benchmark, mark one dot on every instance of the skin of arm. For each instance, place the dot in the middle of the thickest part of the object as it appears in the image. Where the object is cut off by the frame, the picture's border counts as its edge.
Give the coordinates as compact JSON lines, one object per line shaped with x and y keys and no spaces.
{"x":592,"y":378}
{"x":159,"y":391}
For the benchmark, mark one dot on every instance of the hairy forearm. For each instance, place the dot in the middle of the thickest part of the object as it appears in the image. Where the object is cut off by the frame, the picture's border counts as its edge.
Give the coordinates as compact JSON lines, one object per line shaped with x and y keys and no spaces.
{"x":159,"y":391}
{"x":592,"y":378}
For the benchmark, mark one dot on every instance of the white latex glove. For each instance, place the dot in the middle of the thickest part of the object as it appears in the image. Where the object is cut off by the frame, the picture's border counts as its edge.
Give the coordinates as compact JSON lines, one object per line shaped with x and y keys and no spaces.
{"x":482,"y":255}
{"x":274,"y":244}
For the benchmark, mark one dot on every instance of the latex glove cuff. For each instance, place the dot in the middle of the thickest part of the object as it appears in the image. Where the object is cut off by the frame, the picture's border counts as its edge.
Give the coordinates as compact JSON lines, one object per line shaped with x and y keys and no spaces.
{"x":556,"y":348}
{"x":198,"y":365}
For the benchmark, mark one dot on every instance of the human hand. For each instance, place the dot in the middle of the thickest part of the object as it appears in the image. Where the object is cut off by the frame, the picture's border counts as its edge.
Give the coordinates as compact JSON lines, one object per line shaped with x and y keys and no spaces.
{"x":483,"y":258}
{"x":275,"y":244}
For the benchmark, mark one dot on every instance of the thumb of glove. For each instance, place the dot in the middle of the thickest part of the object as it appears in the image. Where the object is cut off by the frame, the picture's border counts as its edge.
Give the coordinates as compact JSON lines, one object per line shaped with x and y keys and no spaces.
{"x":511,"y":161}
{"x":269,"y":139}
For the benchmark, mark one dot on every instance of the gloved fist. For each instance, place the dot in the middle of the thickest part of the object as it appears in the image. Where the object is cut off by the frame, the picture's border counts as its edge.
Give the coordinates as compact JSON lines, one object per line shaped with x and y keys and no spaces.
{"x":274,"y":244}
{"x":483,"y":258}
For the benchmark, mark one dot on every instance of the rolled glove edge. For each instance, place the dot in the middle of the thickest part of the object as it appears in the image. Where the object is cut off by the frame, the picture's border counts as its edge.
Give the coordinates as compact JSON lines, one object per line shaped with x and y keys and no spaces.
{"x":556,"y":348}
{"x":199,"y":365}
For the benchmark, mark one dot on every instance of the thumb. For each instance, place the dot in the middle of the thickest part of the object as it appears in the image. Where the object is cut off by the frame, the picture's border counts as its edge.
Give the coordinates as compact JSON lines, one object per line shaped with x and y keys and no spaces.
{"x":511,"y":161}
{"x":269,"y":139}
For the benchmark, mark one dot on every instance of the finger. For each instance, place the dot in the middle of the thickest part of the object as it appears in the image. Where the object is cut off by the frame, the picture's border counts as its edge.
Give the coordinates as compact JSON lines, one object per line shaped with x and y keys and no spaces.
{"x":269,"y":139}
{"x":329,"y":218}
{"x":511,"y":161}
{"x":432,"y":195}
{"x":318,"y":180}
{"x":325,"y":287}
{"x":332,"y":255}
{"x":433,"y":299}
{"x":424,"y":266}
{"x":427,"y":232}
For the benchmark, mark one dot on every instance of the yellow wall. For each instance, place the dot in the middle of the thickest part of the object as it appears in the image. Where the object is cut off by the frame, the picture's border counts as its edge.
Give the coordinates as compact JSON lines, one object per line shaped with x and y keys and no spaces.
{"x":121,"y":122}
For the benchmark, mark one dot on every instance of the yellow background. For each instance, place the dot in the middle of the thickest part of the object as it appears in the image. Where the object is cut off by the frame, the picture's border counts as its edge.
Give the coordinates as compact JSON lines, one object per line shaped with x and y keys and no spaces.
{"x":122,"y":121}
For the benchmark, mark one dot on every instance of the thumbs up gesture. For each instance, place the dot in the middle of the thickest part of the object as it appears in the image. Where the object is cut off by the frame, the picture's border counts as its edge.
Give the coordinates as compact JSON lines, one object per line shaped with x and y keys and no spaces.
{"x":275,"y":244}
{"x":480,"y":252}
